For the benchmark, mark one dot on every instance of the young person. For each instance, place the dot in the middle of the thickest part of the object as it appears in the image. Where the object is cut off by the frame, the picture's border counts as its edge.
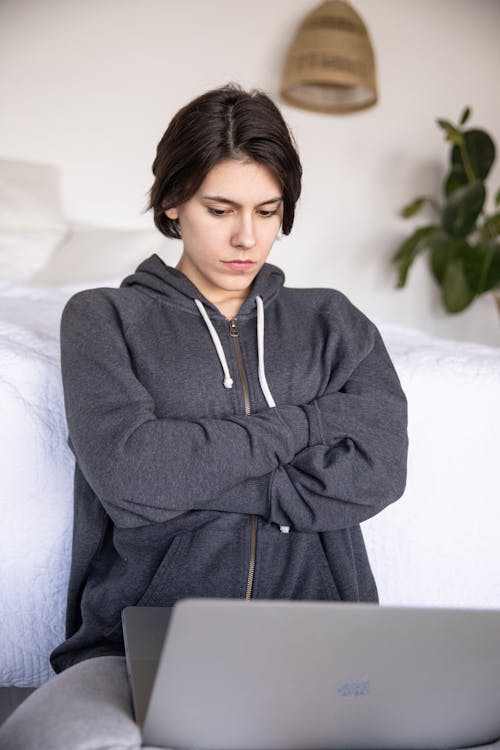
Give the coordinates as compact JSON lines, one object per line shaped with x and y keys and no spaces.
{"x":230,"y":433}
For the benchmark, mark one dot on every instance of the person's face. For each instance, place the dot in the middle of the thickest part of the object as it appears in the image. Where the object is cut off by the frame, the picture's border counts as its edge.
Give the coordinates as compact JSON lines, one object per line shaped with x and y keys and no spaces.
{"x":228,"y":228}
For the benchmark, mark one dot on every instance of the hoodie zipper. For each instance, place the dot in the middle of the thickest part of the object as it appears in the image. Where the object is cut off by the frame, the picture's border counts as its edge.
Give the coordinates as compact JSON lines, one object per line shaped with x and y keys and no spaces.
{"x":233,"y":329}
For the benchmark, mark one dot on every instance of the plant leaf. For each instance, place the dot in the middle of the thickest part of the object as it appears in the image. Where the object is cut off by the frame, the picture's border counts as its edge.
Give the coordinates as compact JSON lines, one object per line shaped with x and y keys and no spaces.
{"x":481,"y":266}
{"x":465,"y":116}
{"x":454,"y":180}
{"x":497,"y":198}
{"x":444,"y":250}
{"x":409,"y":249}
{"x":413,"y":208}
{"x":448,"y":127}
{"x":491,"y":227}
{"x":462,"y":209}
{"x":481,"y":151}
{"x":456,"y":294}
{"x":464,"y":271}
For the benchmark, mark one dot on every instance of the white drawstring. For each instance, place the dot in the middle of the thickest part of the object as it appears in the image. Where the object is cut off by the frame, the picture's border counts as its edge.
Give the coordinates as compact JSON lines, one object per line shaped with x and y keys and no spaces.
{"x":228,"y":381}
{"x":260,"y":350}
{"x":262,"y":372}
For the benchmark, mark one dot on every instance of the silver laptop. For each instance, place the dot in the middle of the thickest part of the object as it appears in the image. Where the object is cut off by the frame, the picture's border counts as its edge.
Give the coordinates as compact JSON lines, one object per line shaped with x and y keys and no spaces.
{"x":229,"y":674}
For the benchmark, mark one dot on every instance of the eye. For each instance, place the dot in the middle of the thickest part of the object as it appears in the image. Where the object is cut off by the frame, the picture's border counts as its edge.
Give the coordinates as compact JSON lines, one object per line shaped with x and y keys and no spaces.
{"x":217,"y":211}
{"x":267,"y":214}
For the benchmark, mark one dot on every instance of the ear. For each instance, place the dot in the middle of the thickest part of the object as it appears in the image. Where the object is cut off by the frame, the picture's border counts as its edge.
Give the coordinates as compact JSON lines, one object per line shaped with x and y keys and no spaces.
{"x":172,"y":213}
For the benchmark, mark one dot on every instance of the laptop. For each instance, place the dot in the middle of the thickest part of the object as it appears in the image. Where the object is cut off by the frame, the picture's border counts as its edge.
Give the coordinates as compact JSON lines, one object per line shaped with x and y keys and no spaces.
{"x":230,"y":674}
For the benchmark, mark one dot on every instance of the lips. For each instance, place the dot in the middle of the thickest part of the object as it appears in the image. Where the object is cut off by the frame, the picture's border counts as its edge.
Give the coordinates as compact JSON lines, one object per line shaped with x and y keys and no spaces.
{"x":239,"y":265}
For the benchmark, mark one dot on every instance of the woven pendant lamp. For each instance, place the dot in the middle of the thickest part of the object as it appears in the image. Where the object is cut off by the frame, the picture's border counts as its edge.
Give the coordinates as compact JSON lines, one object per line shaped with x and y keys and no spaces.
{"x":330,"y":66}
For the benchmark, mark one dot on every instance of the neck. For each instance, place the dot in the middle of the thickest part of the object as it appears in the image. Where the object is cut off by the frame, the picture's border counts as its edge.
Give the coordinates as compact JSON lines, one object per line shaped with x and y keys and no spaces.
{"x":229,"y":307}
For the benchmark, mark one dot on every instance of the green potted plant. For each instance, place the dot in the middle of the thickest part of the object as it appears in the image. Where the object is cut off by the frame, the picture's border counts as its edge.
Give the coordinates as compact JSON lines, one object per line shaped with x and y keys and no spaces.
{"x":463,"y":243}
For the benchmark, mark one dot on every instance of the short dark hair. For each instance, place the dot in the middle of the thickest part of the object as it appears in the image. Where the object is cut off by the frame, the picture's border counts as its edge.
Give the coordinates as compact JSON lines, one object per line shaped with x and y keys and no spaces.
{"x":224,"y":123}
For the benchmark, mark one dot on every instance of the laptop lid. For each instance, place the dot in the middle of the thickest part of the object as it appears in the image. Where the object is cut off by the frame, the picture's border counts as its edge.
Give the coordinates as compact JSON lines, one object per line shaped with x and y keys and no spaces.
{"x":144,"y":631}
{"x":290,"y":675}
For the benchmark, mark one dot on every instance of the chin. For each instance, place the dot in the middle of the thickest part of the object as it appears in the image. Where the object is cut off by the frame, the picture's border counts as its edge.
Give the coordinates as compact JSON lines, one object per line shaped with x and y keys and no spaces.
{"x":239,"y":279}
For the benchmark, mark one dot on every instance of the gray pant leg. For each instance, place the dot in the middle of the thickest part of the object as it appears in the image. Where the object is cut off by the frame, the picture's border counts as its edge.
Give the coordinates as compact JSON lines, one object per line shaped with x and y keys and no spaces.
{"x":86,"y":707}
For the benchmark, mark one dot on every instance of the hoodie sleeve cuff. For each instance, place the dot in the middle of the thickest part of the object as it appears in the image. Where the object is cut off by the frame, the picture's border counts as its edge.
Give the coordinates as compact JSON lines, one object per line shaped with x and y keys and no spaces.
{"x":297,"y":424}
{"x":316,"y":436}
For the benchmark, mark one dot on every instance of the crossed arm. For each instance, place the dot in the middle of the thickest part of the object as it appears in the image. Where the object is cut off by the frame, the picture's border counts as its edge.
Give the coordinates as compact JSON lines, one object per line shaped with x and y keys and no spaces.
{"x":318,"y":466}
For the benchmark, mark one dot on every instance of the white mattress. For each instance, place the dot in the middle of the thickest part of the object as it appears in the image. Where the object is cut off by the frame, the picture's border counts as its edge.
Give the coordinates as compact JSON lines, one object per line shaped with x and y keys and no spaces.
{"x":438,"y":545}
{"x":36,"y":489}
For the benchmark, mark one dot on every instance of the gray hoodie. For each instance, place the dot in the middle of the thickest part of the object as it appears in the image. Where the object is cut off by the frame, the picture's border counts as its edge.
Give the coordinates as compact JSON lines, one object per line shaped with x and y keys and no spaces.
{"x":222,"y":458}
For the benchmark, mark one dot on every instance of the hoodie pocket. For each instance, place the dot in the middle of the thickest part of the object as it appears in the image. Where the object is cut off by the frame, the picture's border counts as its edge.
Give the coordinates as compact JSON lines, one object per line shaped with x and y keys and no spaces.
{"x":150,"y":596}
{"x":326,"y":571}
{"x":207,"y":562}
{"x":293,"y":566}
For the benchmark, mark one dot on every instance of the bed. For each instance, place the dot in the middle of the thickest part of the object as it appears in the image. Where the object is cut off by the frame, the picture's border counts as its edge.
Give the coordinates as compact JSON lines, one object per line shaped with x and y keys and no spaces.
{"x":436,"y":546}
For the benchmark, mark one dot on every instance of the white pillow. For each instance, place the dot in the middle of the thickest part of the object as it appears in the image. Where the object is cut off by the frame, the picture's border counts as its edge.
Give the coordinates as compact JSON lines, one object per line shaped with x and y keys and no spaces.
{"x":31,"y":222}
{"x":91,"y":254}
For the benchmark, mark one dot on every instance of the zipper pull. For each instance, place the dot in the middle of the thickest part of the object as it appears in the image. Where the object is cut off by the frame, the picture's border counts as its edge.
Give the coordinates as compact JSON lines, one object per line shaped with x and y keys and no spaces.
{"x":233,"y":328}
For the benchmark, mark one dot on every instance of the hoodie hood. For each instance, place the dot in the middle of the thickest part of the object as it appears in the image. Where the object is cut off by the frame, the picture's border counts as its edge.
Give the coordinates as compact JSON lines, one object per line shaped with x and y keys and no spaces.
{"x":157,"y":278}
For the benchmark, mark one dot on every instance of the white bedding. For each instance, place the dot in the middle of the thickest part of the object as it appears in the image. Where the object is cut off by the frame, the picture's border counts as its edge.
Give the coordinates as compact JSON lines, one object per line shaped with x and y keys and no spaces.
{"x":438,"y":545}
{"x":36,"y":487}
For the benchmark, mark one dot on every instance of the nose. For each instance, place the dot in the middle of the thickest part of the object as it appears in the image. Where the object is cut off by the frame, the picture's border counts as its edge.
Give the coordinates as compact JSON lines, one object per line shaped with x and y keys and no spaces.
{"x":244,"y":233}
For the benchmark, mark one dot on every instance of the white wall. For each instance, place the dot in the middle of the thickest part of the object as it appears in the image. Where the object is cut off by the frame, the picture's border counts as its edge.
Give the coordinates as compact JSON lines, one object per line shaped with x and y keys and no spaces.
{"x":91,"y":86}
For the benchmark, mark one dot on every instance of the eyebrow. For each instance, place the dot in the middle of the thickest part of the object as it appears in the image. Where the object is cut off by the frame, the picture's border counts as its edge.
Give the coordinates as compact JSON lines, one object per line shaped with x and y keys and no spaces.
{"x":221,"y":199}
